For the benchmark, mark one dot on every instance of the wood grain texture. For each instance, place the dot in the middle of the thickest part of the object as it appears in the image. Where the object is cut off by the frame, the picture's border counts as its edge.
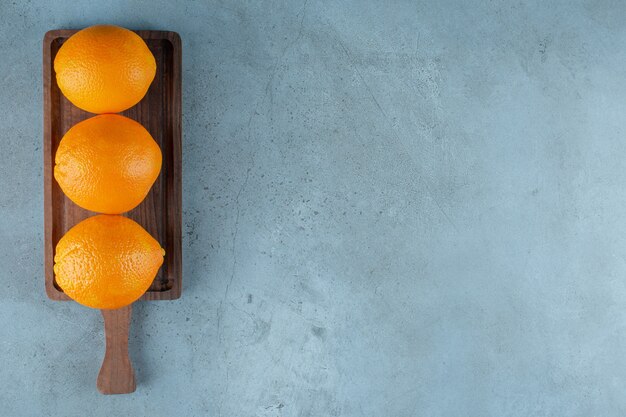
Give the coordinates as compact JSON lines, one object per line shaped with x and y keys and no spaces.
{"x":116,"y":373}
{"x":160,"y":113}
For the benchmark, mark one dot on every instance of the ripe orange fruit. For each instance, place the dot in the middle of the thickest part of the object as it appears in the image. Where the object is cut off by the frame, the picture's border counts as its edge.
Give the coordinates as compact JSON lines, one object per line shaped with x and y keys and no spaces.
{"x":107,"y":163}
{"x":104,"y":69}
{"x":106,"y":261}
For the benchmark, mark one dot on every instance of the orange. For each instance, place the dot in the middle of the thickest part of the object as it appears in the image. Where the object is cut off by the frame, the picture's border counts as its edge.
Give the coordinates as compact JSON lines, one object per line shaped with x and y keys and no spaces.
{"x":107,"y":163}
{"x":106,"y":261}
{"x":104,"y":69}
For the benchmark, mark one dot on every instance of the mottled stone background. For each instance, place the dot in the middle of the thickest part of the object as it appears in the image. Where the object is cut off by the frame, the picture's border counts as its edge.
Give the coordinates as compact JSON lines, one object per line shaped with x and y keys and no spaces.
{"x":391,"y":208}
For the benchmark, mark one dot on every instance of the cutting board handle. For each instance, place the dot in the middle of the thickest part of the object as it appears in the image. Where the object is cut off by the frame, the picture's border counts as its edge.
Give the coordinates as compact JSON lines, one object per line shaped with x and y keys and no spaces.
{"x":116,"y":374}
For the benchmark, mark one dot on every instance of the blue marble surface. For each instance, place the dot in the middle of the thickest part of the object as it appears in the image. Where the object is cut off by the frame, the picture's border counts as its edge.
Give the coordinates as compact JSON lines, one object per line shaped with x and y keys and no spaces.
{"x":402,"y":208}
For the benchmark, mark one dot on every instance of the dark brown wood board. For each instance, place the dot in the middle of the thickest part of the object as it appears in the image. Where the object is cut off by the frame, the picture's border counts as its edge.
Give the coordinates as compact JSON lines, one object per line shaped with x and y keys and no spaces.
{"x":159,"y":112}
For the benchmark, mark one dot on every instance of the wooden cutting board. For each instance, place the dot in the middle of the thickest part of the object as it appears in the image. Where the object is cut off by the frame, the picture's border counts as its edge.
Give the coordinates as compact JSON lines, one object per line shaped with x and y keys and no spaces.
{"x":160,"y":213}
